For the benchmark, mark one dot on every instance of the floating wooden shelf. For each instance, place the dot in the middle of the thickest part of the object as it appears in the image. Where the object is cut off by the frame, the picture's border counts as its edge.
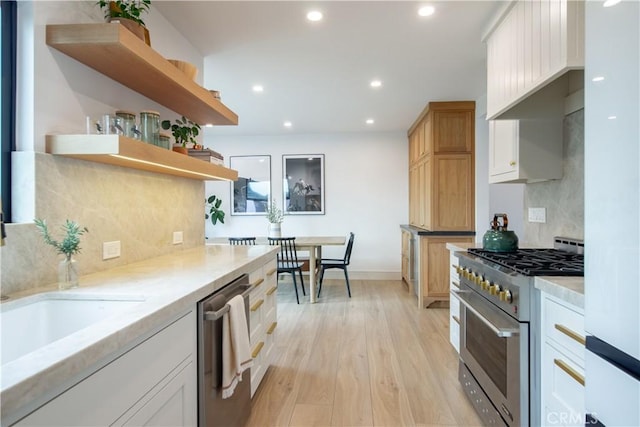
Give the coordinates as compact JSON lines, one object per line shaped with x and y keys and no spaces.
{"x":130,"y":153}
{"x":116,"y":52}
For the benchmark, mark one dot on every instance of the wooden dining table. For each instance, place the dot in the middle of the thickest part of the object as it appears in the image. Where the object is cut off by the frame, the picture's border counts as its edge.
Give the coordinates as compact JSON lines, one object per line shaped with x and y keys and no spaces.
{"x":314,"y":245}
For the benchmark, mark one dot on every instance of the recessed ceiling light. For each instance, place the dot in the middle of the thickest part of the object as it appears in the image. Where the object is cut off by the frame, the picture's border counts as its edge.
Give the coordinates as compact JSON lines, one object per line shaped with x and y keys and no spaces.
{"x":314,"y":16}
{"x":609,"y":3}
{"x":258,"y":88}
{"x":209,"y":125}
{"x":287,"y":124}
{"x":597,"y":79}
{"x":375,"y":83}
{"x":612,"y":117}
{"x":370,"y":121}
{"x":426,"y":11}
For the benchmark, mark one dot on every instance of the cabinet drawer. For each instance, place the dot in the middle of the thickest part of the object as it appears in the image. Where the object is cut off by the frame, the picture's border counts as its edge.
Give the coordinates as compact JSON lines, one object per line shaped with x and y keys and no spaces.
{"x":564,"y":325}
{"x":563,"y":389}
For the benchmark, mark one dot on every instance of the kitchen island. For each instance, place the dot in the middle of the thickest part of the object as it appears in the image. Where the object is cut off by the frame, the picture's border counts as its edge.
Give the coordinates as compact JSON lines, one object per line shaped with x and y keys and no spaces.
{"x":167,"y":289}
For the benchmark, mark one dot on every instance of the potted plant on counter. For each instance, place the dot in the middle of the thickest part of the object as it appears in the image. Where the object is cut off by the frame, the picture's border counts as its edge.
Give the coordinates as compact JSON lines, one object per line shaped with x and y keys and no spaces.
{"x":68,"y":246}
{"x":129,"y":14}
{"x":184,"y":131}
{"x":275,"y":218}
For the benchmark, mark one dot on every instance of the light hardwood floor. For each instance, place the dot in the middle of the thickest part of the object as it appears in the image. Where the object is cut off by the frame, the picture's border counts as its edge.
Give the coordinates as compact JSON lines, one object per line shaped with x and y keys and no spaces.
{"x":372,"y":360}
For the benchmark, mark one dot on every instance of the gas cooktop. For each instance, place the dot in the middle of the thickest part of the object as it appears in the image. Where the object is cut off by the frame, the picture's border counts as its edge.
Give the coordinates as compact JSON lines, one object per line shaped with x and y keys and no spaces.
{"x":536,"y":262}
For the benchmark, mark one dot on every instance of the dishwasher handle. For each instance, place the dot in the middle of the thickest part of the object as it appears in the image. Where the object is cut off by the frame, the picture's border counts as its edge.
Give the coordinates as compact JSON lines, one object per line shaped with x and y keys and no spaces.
{"x":215,"y":315}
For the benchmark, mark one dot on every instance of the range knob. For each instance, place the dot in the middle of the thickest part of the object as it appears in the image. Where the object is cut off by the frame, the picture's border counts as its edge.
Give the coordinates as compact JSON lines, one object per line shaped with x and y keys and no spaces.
{"x":466,"y":273}
{"x":485,"y":285}
{"x":479,"y":279}
{"x":473,"y":277}
{"x":506,"y":296}
{"x":495,"y":289}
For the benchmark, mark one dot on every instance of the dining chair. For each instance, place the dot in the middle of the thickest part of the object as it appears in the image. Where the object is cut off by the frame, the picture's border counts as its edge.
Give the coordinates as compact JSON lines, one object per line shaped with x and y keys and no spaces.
{"x":242,"y":240}
{"x":327,"y":263}
{"x":288,"y":260}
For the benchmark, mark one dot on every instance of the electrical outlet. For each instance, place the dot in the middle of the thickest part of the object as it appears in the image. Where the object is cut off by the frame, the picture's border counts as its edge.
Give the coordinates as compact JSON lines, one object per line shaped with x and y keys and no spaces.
{"x":110,"y":250}
{"x":177,"y":237}
{"x":538,"y":215}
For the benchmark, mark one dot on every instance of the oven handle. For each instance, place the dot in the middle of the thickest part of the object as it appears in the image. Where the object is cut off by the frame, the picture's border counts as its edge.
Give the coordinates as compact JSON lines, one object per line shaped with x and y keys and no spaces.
{"x":502,"y":332}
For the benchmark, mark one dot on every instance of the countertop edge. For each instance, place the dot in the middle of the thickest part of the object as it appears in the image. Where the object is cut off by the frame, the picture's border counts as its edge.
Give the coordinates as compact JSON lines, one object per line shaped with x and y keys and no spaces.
{"x":569,"y":289}
{"x":422,"y":232}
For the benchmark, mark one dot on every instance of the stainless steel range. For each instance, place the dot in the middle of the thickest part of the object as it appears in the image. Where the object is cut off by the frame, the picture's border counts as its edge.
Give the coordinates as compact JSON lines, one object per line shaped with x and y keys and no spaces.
{"x":499,"y":323}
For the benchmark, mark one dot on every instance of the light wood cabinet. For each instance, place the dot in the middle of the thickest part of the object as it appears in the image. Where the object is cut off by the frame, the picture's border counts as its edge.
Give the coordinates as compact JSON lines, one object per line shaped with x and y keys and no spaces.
{"x":406,"y":256}
{"x":533,"y":43}
{"x":525,"y":150}
{"x":562,"y":363}
{"x":441,"y":167}
{"x":434,"y":271}
{"x":154,"y":383}
{"x":263,"y":320}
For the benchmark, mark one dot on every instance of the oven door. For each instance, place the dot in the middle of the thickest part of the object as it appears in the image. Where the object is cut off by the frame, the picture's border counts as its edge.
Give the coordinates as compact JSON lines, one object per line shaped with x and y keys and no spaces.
{"x":495,"y":348}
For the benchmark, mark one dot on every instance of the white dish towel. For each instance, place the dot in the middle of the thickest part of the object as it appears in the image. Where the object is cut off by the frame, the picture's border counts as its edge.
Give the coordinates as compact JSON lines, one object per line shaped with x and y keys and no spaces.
{"x":236,"y":354}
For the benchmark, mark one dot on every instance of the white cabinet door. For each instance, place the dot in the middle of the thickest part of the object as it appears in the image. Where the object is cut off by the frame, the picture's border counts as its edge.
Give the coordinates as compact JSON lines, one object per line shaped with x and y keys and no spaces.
{"x":137,"y":375}
{"x":523,"y":151}
{"x":503,"y":147}
{"x":172,"y":405}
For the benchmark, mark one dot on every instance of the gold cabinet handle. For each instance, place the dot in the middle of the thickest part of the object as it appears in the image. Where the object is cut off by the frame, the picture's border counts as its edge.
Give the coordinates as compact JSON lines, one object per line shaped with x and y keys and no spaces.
{"x":272,"y":290}
{"x":256,"y":351}
{"x":258,"y":282}
{"x":512,"y":163}
{"x":270,"y":272}
{"x":272,"y":328}
{"x":455,"y":283}
{"x":571,"y":334}
{"x":257,"y":305}
{"x":456,"y":318}
{"x":569,"y":371}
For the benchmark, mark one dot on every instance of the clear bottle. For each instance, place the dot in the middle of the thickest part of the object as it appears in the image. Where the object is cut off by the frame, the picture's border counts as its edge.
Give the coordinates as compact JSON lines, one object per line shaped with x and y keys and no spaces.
{"x":165,"y":140}
{"x":150,"y":127}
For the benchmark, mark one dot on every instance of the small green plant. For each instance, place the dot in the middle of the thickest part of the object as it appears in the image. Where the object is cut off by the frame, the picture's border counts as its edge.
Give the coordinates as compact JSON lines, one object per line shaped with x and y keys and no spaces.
{"x":215,"y":213}
{"x":274,"y":214}
{"x":128,"y":9}
{"x":183,"y":130}
{"x":70,"y":244}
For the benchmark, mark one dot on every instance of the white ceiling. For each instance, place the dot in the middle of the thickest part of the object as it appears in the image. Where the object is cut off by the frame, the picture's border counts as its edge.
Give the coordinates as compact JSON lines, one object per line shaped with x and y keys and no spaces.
{"x":317,"y":75}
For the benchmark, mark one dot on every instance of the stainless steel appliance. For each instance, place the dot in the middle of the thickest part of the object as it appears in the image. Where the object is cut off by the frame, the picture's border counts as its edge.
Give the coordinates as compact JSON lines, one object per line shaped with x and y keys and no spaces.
{"x":212,"y":409}
{"x":499,"y":324}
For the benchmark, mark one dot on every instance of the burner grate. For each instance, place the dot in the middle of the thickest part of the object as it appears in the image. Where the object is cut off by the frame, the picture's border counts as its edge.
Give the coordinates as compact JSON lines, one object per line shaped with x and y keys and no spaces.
{"x":536,"y":262}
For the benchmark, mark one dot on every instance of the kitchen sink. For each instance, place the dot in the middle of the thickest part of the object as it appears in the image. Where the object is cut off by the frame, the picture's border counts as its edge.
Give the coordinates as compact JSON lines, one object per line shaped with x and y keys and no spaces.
{"x":33,"y":322}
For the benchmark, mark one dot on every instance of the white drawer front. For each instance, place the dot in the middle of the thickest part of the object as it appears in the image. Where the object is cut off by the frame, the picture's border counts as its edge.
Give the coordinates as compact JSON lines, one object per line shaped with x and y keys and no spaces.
{"x":563,"y":389}
{"x":564,"y":325}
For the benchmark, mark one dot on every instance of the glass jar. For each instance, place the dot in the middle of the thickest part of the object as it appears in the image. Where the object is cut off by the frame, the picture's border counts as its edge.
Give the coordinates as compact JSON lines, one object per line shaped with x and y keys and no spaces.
{"x":127,"y":122}
{"x":150,"y":127}
{"x":165,"y":141}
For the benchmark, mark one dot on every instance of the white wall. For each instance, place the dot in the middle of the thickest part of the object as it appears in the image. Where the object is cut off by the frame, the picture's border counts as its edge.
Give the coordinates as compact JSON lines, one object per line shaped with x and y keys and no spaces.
{"x":366,"y":191}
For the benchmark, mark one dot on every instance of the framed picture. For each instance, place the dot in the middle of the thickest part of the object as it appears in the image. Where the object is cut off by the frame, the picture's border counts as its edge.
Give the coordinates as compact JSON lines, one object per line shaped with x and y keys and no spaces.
{"x":251,"y":193}
{"x":303,"y":184}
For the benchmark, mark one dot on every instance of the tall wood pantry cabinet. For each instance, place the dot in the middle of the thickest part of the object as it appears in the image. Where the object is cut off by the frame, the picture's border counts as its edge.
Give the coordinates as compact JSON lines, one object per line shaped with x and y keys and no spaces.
{"x":441,"y":192}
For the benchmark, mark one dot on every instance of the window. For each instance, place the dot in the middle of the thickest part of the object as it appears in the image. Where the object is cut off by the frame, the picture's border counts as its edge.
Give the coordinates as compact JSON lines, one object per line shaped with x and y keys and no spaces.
{"x":8,"y":22}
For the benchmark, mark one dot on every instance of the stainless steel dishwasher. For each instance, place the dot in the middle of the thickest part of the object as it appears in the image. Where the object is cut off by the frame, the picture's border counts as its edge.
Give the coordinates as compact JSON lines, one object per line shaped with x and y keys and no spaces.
{"x":213,"y":410}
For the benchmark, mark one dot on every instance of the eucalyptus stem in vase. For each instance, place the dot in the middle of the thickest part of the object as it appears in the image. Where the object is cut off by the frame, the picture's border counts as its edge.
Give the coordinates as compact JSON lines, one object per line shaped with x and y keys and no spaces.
{"x":68,"y":246}
{"x":275,"y":218}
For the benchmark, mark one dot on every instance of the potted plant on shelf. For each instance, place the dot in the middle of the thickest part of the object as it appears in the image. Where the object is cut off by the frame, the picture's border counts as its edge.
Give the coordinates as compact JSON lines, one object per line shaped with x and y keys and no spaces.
{"x":129,"y":14}
{"x":184,"y":131}
{"x":68,"y":246}
{"x":275,"y":218}
{"x":215,"y":213}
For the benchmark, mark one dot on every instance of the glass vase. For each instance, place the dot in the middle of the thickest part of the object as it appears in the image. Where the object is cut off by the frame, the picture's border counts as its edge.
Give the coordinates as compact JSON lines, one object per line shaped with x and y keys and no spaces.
{"x":67,"y":273}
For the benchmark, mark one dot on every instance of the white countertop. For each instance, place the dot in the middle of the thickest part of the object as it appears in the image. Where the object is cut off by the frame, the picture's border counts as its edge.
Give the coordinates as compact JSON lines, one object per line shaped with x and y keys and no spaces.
{"x":568,"y":289}
{"x":170,"y":285}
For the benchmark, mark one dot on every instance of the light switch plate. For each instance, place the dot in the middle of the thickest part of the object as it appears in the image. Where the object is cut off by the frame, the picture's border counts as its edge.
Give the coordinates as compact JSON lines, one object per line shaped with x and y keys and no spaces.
{"x":538,"y":215}
{"x":177,"y":237}
{"x":110,"y":250}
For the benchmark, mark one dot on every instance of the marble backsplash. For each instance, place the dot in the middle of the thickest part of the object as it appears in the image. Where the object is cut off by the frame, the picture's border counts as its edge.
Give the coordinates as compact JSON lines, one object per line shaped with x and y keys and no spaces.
{"x":563,"y":199}
{"x":140,"y":209}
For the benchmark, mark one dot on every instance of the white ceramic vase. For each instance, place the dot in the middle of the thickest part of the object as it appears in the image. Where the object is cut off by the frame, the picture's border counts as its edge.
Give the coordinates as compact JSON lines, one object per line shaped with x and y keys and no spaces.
{"x":275,"y":229}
